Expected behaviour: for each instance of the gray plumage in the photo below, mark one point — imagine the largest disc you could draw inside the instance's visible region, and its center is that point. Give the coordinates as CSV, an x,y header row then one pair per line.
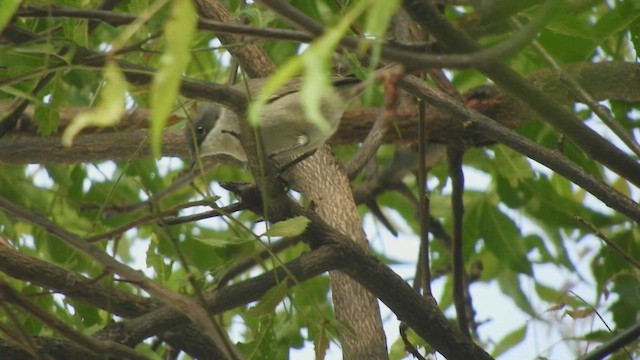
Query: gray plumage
x,y
285,131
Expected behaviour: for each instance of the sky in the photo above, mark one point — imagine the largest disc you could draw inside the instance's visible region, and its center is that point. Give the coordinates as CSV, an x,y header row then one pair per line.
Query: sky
x,y
499,315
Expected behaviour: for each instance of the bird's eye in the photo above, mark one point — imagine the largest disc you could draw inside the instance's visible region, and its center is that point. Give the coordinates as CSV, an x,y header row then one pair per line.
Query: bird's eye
x,y
200,130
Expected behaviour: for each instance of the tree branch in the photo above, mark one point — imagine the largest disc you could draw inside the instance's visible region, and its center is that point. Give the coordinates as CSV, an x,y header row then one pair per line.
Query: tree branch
x,y
548,158
415,60
7,293
182,303
117,18
588,140
42,273
607,80
454,156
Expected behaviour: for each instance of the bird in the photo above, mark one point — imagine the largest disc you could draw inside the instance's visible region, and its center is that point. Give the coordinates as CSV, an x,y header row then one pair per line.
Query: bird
x,y
286,132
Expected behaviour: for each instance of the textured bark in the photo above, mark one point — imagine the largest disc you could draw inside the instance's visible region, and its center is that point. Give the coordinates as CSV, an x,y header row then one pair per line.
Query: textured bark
x,y
322,179
250,56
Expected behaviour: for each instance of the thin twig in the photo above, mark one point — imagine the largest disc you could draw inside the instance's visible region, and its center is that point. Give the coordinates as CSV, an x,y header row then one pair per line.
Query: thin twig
x,y
224,211
94,345
612,345
551,159
407,344
595,311
579,91
180,302
592,143
419,60
20,336
168,219
221,340
118,18
616,248
454,156
252,260
375,137
423,206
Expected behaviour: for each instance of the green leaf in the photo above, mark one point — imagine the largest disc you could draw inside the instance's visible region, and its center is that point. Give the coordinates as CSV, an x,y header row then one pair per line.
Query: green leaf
x,y
597,335
271,299
510,340
536,242
156,261
321,344
48,119
315,83
7,9
634,35
179,32
87,314
110,107
509,283
290,227
616,21
580,313
315,61
512,166
513,197
503,238
221,242
550,295
379,16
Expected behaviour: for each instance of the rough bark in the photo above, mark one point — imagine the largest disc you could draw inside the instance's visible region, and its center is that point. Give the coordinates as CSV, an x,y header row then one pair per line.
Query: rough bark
x,y
324,182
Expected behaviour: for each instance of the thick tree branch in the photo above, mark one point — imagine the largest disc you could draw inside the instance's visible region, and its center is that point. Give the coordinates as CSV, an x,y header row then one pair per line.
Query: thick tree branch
x,y
580,93
89,291
182,303
617,342
51,348
229,297
606,80
252,59
334,251
104,347
48,276
429,322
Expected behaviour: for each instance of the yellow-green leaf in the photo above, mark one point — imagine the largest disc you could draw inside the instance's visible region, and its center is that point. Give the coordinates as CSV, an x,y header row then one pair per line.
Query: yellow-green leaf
x,y
321,344
315,61
221,242
290,227
7,9
579,313
271,299
512,166
179,32
510,340
110,107
379,17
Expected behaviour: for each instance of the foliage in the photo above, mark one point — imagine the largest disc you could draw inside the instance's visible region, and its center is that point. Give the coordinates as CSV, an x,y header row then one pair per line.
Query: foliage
x,y
521,221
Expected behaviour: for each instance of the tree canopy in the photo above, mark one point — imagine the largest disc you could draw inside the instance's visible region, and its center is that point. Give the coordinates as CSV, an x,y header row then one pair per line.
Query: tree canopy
x,y
499,136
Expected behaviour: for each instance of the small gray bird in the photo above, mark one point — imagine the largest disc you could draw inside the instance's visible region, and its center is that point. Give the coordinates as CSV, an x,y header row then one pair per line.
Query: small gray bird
x,y
286,132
